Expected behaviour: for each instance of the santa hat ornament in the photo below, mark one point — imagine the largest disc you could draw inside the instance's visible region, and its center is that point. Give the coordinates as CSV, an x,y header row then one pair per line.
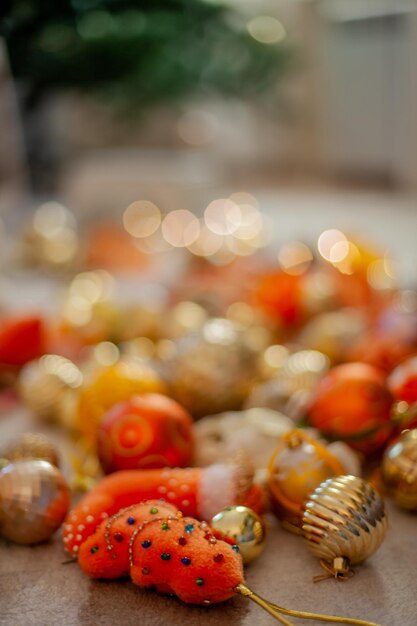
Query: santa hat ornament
x,y
193,490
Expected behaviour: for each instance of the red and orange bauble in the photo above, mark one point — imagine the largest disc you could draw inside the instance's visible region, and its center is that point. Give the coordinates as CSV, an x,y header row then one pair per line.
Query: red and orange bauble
x,y
402,383
380,349
352,403
280,296
22,339
147,431
105,386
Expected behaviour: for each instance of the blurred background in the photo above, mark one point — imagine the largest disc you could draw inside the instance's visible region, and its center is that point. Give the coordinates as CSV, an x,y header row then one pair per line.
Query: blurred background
x,y
307,105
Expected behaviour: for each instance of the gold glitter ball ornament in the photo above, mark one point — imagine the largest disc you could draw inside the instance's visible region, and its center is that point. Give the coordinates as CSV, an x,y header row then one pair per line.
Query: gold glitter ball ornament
x,y
399,470
34,500
212,369
43,384
244,527
32,446
344,522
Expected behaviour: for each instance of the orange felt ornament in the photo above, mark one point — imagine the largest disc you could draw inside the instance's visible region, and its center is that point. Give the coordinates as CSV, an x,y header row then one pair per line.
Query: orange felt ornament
x,y
163,549
194,490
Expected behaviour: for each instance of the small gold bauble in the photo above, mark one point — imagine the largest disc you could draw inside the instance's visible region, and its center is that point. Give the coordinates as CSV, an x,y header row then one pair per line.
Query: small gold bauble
x,y
245,527
344,522
32,446
43,384
34,500
399,470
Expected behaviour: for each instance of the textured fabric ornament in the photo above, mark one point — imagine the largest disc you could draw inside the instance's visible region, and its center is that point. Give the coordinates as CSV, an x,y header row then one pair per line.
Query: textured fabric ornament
x,y
195,490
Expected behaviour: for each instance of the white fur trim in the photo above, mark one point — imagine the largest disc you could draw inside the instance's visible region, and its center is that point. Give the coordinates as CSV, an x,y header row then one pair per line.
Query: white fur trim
x,y
217,490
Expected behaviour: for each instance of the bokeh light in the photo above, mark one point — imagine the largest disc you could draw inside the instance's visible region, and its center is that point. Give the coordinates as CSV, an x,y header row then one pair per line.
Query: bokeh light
x,y
180,228
223,216
266,29
295,257
207,243
142,218
50,218
327,240
106,353
197,127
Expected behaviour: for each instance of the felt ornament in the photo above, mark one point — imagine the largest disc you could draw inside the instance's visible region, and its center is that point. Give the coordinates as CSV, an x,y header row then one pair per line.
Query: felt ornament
x,y
194,490
161,548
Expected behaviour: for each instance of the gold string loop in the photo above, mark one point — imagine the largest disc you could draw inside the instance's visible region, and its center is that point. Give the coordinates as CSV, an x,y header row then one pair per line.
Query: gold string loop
x,y
276,611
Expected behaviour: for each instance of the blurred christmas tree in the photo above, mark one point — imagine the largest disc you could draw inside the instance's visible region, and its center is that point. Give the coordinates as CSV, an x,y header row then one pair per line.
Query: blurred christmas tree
x,y
136,53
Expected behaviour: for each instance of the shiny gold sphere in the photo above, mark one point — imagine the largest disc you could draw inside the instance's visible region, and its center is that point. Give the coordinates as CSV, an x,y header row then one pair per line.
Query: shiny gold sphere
x,y
32,446
34,500
344,522
43,384
245,527
399,470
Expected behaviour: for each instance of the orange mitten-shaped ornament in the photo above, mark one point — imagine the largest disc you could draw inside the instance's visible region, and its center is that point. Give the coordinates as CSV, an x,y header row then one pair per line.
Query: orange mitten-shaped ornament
x,y
195,490
161,548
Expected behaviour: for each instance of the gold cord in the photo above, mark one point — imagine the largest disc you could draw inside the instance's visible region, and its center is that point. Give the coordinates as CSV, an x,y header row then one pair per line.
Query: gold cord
x,y
275,610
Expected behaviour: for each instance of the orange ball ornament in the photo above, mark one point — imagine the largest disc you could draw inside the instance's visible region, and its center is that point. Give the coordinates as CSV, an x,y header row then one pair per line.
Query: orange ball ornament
x,y
22,339
147,431
106,386
403,381
353,404
383,350
280,297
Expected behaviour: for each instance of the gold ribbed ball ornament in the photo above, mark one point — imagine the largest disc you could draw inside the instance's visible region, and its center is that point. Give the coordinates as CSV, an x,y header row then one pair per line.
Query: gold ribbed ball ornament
x,y
344,522
399,470
34,500
32,446
244,527
44,383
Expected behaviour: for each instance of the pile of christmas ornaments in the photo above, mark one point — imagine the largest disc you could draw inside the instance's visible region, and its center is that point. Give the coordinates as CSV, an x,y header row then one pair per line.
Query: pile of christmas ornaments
x,y
284,389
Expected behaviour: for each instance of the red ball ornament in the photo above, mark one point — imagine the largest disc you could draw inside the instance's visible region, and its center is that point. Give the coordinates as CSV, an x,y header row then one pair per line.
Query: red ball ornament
x,y
22,339
353,404
147,431
383,350
403,381
280,297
